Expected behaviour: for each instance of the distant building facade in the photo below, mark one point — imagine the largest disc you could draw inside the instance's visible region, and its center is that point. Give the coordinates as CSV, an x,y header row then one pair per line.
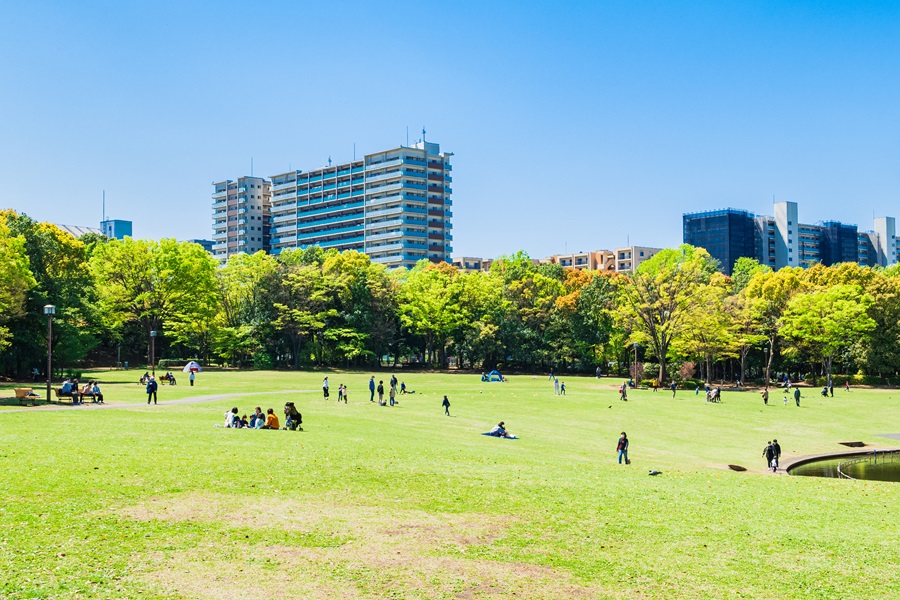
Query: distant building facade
x,y
241,216
394,205
782,240
78,231
115,228
206,244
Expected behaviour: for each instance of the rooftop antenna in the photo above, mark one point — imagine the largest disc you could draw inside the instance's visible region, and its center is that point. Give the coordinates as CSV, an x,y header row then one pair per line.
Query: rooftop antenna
x,y
329,161
423,135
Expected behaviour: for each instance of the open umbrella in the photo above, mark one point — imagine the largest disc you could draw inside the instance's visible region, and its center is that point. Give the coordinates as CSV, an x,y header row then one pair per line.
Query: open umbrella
x,y
192,367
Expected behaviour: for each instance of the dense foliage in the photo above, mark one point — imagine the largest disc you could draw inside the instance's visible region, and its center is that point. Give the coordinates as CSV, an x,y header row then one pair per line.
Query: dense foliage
x,y
677,315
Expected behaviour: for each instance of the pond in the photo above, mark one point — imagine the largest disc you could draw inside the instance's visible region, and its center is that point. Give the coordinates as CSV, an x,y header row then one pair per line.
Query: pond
x,y
868,466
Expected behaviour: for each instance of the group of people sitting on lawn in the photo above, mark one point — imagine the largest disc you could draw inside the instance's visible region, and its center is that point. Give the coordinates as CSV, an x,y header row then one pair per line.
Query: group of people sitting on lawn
x,y
70,387
258,420
146,377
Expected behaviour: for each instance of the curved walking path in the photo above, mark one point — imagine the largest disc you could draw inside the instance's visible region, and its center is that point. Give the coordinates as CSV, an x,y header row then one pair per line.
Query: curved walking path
x,y
192,400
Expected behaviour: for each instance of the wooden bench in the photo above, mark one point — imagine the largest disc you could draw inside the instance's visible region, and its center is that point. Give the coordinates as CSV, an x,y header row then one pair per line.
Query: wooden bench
x,y
23,395
67,398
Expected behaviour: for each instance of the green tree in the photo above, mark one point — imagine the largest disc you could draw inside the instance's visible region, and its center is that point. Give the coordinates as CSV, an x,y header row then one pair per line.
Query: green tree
x,y
15,277
767,296
154,284
654,302
824,321
744,270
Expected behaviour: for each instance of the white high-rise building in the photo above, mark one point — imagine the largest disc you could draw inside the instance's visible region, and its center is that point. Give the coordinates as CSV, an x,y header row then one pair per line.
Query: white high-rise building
x,y
241,216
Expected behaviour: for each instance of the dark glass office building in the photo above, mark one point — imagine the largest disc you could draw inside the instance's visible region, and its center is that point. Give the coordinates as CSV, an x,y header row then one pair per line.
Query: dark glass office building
x,y
726,234
839,243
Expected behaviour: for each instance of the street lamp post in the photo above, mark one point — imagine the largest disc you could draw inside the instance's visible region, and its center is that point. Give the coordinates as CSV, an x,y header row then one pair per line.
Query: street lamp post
x,y
634,367
153,353
49,310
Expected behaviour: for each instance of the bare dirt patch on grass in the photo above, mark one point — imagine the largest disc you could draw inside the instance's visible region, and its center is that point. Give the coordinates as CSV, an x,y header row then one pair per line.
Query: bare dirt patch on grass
x,y
378,553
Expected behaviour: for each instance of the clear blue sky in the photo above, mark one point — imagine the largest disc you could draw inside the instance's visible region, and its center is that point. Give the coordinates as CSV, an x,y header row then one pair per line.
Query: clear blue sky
x,y
574,124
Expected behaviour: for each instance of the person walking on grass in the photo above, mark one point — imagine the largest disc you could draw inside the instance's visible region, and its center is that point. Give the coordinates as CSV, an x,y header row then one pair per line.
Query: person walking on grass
x,y
623,392
831,388
797,396
151,389
392,394
769,454
555,386
325,388
674,386
446,405
191,378
622,449
372,389
340,393
562,388
776,449
765,396
847,386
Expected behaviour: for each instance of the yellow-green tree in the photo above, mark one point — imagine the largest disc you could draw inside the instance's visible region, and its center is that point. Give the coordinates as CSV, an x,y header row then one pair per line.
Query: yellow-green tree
x,y
825,320
655,301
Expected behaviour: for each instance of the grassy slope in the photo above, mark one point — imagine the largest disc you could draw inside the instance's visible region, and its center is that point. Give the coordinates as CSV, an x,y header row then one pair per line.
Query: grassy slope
x,y
405,502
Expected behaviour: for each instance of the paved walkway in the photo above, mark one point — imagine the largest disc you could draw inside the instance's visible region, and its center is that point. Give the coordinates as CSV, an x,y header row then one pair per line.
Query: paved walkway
x,y
192,400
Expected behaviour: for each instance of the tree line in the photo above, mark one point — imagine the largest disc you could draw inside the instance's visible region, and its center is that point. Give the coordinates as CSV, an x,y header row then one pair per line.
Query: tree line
x,y
676,317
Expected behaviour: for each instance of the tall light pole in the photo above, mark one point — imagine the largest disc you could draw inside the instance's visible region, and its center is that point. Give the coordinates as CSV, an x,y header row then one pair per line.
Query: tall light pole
x,y
634,367
49,310
153,353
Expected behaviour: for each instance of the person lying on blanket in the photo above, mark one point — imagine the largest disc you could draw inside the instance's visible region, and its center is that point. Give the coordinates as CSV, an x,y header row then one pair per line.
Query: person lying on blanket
x,y
500,431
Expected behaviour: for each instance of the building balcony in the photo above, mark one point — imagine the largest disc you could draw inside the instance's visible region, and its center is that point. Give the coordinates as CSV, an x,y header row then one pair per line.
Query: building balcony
x,y
386,260
384,212
384,236
284,186
435,177
383,248
382,189
284,218
394,174
310,236
383,224
221,204
383,164
219,194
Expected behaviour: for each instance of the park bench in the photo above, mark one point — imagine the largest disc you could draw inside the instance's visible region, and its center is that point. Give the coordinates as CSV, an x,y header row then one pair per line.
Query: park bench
x,y
23,395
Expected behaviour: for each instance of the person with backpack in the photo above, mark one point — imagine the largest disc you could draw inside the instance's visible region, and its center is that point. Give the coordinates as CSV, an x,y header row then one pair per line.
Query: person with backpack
x,y
622,449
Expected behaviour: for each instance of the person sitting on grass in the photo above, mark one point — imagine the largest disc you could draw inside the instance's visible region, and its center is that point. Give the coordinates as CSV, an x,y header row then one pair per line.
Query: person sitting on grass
x,y
230,416
293,419
257,419
271,420
500,431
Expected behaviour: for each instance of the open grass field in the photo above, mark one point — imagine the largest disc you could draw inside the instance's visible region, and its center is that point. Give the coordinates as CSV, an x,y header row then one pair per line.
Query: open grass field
x,y
137,501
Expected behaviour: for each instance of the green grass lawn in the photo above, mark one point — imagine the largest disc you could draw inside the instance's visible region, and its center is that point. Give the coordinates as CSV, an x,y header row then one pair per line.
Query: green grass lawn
x,y
376,502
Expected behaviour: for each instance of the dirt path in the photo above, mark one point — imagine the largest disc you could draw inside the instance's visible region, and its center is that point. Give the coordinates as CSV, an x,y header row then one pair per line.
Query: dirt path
x,y
193,400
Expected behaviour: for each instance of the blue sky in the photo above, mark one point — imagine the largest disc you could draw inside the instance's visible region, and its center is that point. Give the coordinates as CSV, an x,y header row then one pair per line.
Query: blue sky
x,y
575,125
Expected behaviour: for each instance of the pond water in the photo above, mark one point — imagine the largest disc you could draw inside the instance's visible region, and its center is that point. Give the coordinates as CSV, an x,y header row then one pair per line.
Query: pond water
x,y
873,468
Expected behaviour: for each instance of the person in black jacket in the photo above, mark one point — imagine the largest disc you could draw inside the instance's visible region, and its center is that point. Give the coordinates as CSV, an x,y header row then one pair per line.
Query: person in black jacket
x,y
776,448
151,389
381,393
769,453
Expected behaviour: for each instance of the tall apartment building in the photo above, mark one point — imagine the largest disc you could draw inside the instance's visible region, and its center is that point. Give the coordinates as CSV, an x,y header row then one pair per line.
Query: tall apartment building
x,y
783,241
241,216
394,205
